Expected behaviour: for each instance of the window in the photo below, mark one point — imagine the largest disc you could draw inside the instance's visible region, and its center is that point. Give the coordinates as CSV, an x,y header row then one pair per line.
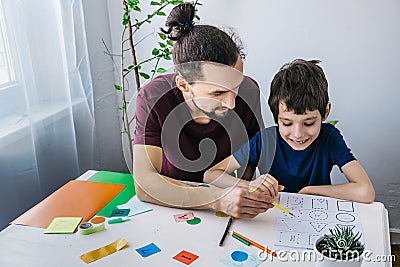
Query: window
x,y
46,105
6,68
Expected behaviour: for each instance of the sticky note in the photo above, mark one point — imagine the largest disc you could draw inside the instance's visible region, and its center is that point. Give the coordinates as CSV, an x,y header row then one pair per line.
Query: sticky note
x,y
184,217
148,250
63,225
185,257
120,212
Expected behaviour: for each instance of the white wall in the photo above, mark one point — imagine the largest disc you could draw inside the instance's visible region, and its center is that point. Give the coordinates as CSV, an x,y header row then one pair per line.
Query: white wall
x,y
358,43
108,147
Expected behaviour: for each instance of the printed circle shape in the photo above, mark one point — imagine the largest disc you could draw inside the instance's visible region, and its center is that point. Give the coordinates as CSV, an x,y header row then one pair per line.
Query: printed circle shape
x,y
345,217
194,221
239,256
97,220
318,215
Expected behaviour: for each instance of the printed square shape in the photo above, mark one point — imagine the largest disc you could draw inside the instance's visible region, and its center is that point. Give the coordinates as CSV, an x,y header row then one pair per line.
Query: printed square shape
x,y
185,257
120,212
148,250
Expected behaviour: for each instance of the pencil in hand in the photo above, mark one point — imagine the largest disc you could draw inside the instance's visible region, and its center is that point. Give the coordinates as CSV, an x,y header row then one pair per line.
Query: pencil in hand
x,y
285,210
282,208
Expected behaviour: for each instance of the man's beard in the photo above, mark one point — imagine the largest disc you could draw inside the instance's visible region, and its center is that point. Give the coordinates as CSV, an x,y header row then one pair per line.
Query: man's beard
x,y
212,114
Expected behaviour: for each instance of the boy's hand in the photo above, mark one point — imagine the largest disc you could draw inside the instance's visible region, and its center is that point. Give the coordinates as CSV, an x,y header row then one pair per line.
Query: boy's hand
x,y
267,184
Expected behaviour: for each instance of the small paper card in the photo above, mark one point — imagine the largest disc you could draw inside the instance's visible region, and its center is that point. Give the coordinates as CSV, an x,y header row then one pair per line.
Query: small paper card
x,y
184,217
185,257
135,206
63,225
148,250
120,212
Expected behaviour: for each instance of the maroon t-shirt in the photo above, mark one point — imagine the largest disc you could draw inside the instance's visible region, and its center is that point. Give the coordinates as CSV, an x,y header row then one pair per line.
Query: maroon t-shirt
x,y
163,119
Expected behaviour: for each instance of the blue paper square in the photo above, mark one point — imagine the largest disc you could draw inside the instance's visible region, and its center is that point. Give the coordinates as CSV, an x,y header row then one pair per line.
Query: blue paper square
x,y
148,250
120,212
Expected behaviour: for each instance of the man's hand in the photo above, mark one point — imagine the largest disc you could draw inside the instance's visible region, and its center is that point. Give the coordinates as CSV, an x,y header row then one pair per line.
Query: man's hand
x,y
240,202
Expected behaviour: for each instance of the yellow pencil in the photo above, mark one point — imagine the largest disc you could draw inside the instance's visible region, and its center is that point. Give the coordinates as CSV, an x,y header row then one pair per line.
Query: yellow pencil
x,y
285,210
282,208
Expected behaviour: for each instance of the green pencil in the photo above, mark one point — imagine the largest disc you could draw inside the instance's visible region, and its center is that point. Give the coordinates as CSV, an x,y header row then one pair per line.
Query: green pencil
x,y
241,240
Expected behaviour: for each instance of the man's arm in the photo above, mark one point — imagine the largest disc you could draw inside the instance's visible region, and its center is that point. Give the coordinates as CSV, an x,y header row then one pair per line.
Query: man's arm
x,y
219,175
153,187
358,189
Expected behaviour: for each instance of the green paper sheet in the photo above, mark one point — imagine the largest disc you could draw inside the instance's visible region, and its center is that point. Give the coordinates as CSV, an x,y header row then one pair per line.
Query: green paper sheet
x,y
115,178
63,225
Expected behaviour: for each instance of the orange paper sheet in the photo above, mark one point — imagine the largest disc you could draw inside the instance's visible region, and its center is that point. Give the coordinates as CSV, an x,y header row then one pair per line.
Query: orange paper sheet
x,y
74,199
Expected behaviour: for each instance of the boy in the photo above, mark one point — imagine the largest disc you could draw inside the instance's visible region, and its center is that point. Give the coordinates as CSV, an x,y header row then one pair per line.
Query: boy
x,y
300,152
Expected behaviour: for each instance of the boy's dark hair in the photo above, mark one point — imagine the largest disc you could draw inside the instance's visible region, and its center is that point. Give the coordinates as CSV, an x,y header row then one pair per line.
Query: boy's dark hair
x,y
301,85
198,42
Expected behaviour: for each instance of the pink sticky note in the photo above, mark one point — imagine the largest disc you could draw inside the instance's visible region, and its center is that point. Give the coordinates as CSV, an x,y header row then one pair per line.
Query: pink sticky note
x,y
184,217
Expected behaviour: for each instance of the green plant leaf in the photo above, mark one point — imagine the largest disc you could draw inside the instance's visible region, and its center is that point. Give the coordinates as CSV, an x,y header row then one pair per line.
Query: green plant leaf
x,y
154,3
155,52
136,8
167,57
132,2
144,75
160,13
176,2
118,87
162,45
162,36
161,70
125,18
170,43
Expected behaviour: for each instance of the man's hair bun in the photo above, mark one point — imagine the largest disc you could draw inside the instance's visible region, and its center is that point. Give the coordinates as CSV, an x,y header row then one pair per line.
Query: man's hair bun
x,y
179,21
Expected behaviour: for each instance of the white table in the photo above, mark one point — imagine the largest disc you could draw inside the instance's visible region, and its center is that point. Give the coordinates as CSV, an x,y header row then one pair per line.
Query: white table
x,y
27,246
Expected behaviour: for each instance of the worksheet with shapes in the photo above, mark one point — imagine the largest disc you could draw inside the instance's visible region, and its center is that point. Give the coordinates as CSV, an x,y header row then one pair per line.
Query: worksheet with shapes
x,y
314,216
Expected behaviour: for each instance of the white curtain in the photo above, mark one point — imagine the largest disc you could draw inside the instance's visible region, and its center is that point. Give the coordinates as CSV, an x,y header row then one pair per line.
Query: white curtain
x,y
46,111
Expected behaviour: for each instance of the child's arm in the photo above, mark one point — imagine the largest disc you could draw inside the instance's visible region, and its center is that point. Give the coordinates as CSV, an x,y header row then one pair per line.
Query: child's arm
x,y
358,189
218,175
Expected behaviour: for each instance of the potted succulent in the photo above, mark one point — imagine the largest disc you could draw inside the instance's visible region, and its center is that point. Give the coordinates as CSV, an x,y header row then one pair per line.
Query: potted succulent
x,y
339,248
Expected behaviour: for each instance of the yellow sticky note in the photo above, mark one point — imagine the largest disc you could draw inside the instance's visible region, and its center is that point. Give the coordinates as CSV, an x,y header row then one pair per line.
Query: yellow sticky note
x,y
99,253
63,225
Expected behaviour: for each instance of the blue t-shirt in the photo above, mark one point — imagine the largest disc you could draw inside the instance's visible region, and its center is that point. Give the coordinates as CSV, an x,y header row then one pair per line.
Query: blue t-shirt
x,y
296,169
